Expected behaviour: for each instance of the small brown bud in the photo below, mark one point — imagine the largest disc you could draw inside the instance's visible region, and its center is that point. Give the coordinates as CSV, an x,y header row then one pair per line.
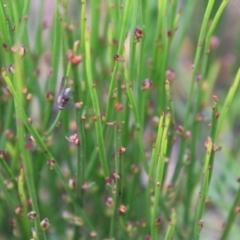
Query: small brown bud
x,y
45,224
73,139
51,163
169,33
118,106
19,209
109,180
170,74
9,184
72,183
32,215
158,220
49,96
201,223
109,201
214,42
122,209
119,58
11,68
146,84
138,34
122,150
22,50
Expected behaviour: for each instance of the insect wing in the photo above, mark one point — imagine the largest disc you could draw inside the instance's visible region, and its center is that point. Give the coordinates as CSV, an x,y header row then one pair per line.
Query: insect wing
x,y
61,99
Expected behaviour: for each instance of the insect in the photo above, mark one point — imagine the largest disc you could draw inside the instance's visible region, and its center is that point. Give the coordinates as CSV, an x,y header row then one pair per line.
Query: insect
x,y
64,95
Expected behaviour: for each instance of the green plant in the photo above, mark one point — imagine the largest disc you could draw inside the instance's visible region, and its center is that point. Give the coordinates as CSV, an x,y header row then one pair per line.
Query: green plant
x,y
122,156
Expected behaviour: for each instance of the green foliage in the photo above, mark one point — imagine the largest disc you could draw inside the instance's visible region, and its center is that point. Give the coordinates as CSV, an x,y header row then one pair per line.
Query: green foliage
x,y
115,122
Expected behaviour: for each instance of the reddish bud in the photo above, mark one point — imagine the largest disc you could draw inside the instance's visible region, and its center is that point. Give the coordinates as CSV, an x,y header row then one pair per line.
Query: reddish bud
x,y
146,84
73,139
158,220
9,184
118,106
122,209
169,33
32,215
122,150
19,209
72,183
214,42
198,77
215,98
45,224
138,34
109,180
170,74
49,96
109,201
119,58
51,163
11,68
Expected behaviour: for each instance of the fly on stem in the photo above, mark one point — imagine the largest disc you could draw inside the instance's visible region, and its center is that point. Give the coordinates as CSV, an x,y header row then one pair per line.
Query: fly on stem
x,y
64,95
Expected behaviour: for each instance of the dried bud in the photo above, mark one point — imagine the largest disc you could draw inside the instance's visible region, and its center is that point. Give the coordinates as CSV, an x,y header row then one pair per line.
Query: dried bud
x,y
147,237
9,184
146,84
217,114
109,180
198,77
170,74
32,215
49,96
122,209
51,163
122,150
119,58
187,134
72,183
134,169
34,234
116,176
67,215
118,106
9,134
5,46
45,224
169,33
214,42
74,59
78,104
138,34
142,222
22,50
207,142
31,138
199,117
179,129
19,209
11,68
2,154
201,223
30,120
77,221
93,234
158,220
73,139
215,98
109,201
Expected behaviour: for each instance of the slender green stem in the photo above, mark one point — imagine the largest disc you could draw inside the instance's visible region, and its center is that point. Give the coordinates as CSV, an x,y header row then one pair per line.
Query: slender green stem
x,y
192,83
159,176
204,191
95,104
